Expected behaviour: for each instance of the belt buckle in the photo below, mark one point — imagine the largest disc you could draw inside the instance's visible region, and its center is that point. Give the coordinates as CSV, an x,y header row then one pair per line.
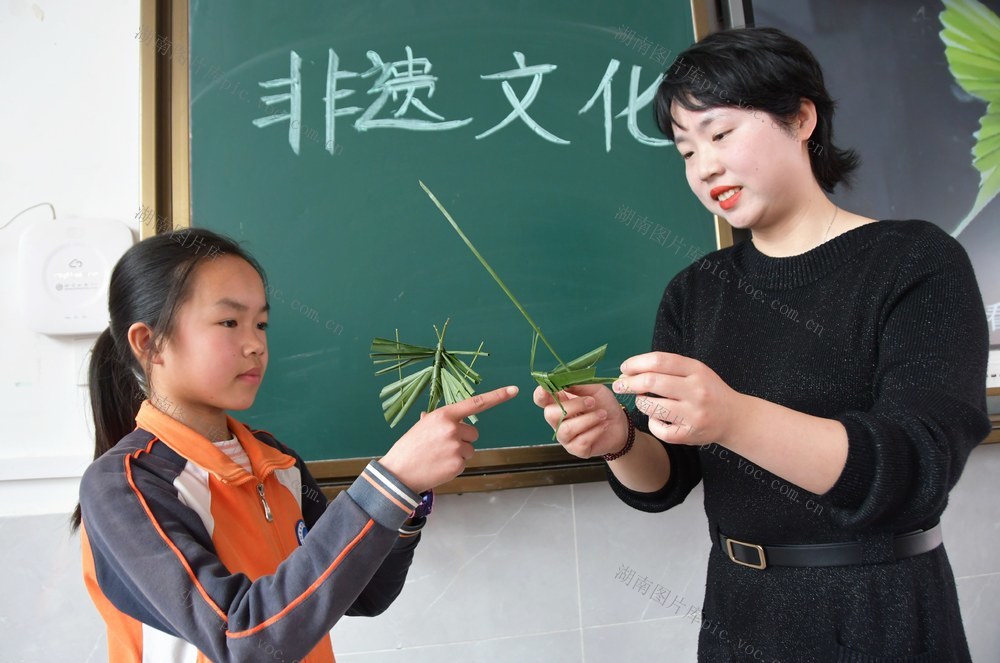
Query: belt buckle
x,y
760,554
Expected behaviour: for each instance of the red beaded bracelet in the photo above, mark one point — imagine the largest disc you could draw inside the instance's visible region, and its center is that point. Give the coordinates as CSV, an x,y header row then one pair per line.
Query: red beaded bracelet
x,y
629,439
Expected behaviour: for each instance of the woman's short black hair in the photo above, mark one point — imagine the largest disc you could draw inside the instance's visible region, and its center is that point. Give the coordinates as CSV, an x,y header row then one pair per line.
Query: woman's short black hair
x,y
757,69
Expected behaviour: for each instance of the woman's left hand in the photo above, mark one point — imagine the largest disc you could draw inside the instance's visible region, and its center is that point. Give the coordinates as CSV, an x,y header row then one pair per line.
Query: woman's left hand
x,y
687,402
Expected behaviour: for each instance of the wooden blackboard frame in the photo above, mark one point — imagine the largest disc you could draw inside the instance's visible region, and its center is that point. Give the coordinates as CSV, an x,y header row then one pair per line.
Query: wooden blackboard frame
x,y
165,196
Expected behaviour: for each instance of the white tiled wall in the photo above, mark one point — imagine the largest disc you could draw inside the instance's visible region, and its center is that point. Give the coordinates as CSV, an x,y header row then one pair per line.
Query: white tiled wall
x,y
523,575
530,575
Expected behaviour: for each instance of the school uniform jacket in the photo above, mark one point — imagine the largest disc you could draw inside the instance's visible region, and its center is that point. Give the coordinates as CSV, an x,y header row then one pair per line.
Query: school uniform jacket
x,y
189,557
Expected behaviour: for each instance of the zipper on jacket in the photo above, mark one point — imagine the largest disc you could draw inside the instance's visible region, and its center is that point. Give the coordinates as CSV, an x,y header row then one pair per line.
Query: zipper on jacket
x,y
267,509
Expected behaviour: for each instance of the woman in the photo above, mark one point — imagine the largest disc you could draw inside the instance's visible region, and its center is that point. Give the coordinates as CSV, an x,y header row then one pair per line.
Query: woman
x,y
824,379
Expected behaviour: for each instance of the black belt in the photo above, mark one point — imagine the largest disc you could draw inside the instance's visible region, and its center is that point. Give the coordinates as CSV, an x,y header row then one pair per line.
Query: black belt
x,y
824,554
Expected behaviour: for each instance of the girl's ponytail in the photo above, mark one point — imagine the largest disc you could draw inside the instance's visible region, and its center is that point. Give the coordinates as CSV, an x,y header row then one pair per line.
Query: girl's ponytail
x,y
115,397
148,285
115,394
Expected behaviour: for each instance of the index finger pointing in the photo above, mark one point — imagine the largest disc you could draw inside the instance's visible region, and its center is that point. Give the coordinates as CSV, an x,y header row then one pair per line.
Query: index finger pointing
x,y
480,402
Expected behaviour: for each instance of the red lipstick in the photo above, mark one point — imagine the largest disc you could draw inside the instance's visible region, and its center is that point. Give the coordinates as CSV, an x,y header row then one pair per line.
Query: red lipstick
x,y
730,201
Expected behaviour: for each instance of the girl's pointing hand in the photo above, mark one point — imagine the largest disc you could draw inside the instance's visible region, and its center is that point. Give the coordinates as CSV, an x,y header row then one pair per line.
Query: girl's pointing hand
x,y
436,448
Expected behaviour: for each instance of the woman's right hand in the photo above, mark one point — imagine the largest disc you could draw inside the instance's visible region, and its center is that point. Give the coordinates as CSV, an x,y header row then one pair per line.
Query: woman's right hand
x,y
436,448
595,423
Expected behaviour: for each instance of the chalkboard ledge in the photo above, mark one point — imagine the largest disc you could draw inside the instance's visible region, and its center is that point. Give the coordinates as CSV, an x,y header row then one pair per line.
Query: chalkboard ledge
x,y
489,469
510,467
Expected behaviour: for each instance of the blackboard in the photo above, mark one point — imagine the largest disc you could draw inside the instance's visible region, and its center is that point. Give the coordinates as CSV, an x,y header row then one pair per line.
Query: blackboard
x,y
585,226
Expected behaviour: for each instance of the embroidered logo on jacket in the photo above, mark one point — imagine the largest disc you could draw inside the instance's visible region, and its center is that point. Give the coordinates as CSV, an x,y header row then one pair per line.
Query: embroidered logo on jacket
x,y
301,530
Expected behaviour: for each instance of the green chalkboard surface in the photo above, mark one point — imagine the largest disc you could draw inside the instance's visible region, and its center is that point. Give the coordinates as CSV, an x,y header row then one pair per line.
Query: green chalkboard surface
x,y
311,122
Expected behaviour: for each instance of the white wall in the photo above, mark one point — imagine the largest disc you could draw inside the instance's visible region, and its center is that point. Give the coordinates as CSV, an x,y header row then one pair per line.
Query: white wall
x,y
523,575
69,135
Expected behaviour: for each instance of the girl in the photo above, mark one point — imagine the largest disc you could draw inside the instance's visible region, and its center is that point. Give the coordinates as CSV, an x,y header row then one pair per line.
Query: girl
x,y
203,540
824,379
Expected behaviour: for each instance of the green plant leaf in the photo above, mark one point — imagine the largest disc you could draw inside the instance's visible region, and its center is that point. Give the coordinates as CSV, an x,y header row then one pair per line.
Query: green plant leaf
x,y
971,35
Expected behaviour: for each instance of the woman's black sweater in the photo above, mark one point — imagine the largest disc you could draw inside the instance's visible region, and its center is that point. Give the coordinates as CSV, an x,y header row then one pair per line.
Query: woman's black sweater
x,y
881,328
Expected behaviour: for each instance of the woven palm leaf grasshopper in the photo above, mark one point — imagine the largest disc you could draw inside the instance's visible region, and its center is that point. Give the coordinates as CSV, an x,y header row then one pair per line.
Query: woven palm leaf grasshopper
x,y
580,371
448,376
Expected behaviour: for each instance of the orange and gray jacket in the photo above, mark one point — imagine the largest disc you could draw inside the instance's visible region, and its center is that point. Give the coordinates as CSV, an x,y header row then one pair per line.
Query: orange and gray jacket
x,y
189,557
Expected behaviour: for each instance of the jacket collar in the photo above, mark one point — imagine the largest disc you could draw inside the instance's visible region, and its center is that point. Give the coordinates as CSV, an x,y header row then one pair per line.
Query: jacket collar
x,y
197,448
